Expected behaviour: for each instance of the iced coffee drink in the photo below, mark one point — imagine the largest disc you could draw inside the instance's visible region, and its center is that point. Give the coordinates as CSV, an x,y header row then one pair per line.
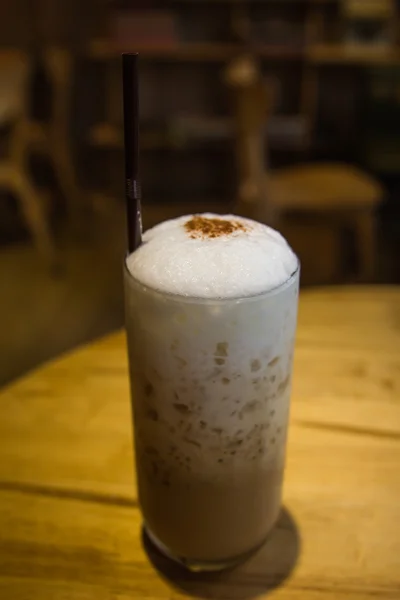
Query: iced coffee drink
x,y
211,306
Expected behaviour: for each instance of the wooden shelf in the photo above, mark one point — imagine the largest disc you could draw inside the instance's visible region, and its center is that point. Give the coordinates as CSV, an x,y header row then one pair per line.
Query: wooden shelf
x,y
202,133
279,52
108,136
103,49
286,135
213,52
318,53
379,9
265,2
352,55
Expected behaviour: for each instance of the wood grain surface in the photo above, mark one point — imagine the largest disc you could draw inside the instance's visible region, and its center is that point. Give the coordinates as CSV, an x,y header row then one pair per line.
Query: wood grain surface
x,y
70,527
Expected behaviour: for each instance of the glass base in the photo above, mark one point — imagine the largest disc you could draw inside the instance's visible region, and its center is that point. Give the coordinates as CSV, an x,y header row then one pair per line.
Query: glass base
x,y
197,566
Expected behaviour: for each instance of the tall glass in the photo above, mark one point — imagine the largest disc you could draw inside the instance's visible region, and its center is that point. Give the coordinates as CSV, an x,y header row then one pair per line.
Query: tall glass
x,y
210,384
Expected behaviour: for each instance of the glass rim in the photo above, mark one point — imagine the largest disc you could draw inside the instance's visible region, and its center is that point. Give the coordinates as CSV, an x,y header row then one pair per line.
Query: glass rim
x,y
211,301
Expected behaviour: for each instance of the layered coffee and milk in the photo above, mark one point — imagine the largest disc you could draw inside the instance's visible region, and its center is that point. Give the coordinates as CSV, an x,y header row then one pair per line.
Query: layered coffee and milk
x,y
211,305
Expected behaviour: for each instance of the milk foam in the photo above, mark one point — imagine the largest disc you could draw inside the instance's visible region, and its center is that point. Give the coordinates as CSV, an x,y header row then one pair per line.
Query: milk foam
x,y
246,262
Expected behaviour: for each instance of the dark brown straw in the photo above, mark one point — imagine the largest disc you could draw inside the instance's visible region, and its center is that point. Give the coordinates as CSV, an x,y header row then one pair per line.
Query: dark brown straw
x,y
130,91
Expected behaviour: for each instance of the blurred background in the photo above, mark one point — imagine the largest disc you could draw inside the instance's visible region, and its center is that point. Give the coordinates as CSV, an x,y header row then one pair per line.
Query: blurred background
x,y
287,111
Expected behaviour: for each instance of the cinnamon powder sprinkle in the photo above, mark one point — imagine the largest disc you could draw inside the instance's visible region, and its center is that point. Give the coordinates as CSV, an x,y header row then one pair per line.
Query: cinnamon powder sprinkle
x,y
204,227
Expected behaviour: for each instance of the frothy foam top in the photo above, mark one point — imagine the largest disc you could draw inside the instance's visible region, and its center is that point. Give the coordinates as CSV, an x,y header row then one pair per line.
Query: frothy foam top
x,y
212,256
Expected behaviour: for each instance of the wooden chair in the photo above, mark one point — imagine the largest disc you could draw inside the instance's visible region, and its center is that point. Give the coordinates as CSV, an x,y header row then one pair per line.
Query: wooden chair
x,y
14,172
343,194
52,138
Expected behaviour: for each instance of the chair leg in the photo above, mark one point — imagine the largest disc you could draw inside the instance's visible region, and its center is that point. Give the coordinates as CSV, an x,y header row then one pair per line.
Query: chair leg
x,y
34,214
67,181
366,245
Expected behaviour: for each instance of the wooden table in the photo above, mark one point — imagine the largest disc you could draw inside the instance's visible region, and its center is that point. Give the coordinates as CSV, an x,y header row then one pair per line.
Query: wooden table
x,y
69,521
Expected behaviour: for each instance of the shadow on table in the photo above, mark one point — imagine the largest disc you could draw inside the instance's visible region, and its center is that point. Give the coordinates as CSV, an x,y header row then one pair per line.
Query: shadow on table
x,y
262,572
